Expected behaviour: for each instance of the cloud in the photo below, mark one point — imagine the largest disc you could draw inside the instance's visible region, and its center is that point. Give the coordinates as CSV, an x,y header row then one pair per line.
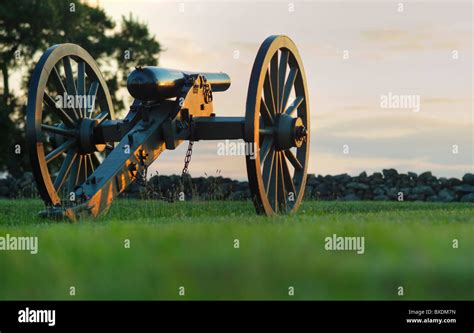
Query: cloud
x,y
384,35
181,52
398,138
420,39
444,100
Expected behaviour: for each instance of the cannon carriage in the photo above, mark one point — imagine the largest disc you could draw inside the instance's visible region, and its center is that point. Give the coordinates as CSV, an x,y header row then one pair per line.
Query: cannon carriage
x,y
82,157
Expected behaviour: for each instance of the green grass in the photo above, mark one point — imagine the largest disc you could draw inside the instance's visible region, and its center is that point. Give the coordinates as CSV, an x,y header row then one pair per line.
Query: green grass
x,y
192,245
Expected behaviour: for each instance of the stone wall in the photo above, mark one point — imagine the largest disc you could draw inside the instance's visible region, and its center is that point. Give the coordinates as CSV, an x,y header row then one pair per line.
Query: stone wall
x,y
391,185
385,185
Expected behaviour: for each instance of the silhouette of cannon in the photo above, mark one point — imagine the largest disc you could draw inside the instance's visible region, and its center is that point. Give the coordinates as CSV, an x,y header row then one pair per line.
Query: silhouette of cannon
x,y
82,157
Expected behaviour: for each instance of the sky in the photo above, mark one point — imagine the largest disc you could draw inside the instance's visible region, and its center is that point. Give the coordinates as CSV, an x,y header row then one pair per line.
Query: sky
x,y
355,54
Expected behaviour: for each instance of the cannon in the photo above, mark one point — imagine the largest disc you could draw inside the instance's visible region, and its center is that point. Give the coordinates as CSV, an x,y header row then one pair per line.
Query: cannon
x,y
82,157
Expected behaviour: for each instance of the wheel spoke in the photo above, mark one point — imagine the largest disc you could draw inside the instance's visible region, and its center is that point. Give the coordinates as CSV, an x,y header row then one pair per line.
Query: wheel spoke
x,y
293,160
70,84
273,190
59,150
269,176
294,106
289,185
91,164
58,81
91,98
267,170
281,183
81,85
97,158
65,168
267,147
74,174
85,164
281,78
101,117
58,130
288,86
266,115
63,115
268,92
274,80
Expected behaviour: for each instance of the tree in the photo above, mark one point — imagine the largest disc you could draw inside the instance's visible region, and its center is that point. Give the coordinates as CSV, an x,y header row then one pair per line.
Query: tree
x,y
27,28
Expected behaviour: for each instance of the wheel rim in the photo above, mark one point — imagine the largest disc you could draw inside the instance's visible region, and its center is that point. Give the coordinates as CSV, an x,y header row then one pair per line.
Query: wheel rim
x,y
277,123
57,135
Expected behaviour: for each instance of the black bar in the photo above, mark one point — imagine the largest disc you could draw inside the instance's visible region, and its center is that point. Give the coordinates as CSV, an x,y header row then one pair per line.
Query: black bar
x,y
218,128
383,315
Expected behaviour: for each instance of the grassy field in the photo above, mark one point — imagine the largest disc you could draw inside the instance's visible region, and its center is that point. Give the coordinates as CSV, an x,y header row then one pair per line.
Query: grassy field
x,y
192,245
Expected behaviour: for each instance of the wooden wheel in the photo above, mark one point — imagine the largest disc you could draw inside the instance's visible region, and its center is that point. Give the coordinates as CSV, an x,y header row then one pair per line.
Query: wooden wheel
x,y
67,98
277,124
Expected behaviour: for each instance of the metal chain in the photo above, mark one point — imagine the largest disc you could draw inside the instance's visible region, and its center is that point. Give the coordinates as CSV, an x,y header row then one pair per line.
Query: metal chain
x,y
187,159
141,180
141,175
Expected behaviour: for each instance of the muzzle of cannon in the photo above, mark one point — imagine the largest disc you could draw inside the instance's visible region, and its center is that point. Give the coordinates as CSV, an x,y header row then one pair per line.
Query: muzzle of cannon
x,y
82,157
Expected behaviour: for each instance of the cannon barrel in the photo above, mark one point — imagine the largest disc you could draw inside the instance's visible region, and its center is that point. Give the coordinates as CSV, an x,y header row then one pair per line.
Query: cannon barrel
x,y
155,83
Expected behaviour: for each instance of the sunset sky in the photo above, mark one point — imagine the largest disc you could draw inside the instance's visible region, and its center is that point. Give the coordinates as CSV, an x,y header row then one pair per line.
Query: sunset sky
x,y
412,52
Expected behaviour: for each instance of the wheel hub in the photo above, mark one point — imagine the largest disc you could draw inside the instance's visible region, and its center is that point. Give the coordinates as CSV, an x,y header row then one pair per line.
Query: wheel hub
x,y
85,137
290,132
